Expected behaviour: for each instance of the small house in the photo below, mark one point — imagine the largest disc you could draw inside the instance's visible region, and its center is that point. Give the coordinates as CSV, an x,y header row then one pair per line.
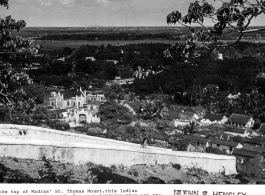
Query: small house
x,y
210,118
239,120
200,143
222,144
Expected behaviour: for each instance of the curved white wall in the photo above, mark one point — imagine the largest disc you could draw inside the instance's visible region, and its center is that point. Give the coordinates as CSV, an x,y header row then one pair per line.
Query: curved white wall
x,y
38,133
79,149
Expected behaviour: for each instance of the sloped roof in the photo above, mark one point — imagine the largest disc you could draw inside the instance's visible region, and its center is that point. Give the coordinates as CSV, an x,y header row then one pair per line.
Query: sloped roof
x,y
245,153
255,149
195,109
172,114
213,117
188,114
198,108
235,130
239,118
253,141
224,142
197,139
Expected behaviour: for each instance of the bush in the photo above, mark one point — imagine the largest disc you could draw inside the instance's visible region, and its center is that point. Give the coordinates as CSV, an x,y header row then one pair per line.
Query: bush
x,y
215,151
61,126
81,129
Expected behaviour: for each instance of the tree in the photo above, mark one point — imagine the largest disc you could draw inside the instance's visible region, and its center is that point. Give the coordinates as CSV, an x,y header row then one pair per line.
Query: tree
x,y
191,128
36,92
114,92
112,110
14,51
232,18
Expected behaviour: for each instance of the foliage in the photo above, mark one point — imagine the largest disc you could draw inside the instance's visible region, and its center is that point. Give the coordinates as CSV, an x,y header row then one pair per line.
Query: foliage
x,y
13,56
250,168
190,128
112,110
48,171
4,116
153,109
41,113
238,139
214,150
179,143
114,92
35,91
233,17
62,126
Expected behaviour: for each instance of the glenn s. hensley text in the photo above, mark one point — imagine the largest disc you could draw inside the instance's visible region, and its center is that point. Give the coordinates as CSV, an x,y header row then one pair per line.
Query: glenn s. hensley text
x,y
229,193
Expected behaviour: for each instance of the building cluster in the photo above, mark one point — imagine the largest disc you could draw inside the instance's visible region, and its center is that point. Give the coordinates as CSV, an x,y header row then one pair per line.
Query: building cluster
x,y
81,109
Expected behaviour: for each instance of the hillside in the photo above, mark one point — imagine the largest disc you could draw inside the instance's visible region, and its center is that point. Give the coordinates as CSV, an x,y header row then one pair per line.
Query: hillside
x,y
13,170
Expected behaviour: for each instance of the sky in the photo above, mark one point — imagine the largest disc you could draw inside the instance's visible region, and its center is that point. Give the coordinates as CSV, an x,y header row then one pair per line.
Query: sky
x,y
85,13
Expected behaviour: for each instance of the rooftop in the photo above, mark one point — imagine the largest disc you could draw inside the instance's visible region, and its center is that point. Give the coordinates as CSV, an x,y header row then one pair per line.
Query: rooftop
x,y
198,108
196,139
235,130
255,149
224,142
245,153
213,117
239,118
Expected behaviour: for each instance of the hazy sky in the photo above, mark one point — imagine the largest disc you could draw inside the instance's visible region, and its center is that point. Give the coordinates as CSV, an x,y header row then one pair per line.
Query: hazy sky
x,y
96,12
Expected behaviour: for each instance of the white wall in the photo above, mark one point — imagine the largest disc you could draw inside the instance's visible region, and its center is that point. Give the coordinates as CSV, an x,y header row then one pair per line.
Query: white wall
x,y
79,149
78,153
9,131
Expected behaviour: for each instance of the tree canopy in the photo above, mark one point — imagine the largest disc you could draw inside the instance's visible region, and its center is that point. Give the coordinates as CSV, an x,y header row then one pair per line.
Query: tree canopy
x,y
231,17
14,52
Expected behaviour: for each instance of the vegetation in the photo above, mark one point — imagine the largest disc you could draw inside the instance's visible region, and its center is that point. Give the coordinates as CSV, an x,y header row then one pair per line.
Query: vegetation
x,y
114,92
112,110
14,54
232,17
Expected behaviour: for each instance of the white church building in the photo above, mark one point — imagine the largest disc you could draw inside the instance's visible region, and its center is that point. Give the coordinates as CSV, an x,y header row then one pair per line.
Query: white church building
x,y
79,109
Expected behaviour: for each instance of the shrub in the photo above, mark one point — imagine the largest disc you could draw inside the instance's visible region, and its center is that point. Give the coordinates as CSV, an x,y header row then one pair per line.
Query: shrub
x,y
61,126
215,150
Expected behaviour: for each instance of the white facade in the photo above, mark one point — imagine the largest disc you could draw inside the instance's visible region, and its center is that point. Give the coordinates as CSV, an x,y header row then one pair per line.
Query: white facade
x,y
57,99
209,122
76,116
